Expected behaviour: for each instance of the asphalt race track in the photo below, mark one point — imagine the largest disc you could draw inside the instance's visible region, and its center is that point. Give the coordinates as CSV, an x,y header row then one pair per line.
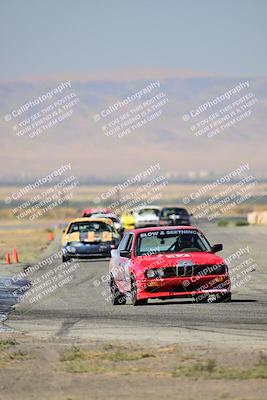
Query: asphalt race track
x,y
80,310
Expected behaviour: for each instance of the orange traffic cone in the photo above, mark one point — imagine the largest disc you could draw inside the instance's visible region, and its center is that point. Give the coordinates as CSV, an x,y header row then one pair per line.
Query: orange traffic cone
x,y
50,236
15,256
7,258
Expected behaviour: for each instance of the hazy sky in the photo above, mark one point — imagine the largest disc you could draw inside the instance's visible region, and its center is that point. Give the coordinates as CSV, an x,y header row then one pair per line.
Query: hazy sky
x,y
40,37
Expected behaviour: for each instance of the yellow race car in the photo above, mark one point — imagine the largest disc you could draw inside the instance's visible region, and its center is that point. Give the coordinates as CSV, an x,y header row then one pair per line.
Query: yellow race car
x,y
128,220
89,238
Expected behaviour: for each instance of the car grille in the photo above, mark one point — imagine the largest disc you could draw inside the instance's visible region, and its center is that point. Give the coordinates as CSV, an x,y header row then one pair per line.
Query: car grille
x,y
190,270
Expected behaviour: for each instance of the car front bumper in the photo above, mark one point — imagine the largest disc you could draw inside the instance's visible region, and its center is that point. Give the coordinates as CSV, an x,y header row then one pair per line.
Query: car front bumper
x,y
183,287
175,222
89,251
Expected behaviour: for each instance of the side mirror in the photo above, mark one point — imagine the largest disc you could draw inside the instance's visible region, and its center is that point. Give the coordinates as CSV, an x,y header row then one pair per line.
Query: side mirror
x,y
114,253
191,215
125,253
64,230
216,247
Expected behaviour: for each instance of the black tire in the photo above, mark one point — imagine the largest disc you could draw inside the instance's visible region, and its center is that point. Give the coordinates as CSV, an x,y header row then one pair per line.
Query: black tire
x,y
135,301
117,298
65,259
202,298
225,298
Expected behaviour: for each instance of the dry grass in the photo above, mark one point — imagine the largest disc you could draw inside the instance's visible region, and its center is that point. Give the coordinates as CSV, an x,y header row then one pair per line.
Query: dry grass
x,y
7,343
109,369
106,360
28,242
208,369
118,360
9,355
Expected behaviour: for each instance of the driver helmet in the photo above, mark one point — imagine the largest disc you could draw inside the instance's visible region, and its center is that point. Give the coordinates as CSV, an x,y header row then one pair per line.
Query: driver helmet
x,y
185,241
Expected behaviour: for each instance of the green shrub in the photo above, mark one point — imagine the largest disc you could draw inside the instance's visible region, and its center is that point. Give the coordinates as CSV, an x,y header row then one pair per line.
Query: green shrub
x,y
241,223
223,222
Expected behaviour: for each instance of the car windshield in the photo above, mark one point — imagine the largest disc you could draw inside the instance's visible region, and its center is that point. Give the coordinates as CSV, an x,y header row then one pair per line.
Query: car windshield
x,y
166,212
149,211
171,241
92,226
114,219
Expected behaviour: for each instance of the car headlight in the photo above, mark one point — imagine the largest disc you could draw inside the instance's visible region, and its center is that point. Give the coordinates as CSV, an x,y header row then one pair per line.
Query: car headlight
x,y
219,269
216,269
155,273
150,273
75,244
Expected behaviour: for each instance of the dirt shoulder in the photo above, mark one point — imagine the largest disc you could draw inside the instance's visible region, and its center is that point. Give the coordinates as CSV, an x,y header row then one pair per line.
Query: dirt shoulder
x,y
61,368
29,242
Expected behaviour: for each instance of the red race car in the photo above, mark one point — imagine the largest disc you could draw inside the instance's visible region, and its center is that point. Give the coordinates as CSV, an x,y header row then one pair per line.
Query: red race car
x,y
88,212
165,263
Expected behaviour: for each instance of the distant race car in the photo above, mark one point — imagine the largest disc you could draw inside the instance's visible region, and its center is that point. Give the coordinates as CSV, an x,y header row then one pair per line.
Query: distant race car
x,y
147,216
89,237
114,218
174,216
166,263
128,220
88,212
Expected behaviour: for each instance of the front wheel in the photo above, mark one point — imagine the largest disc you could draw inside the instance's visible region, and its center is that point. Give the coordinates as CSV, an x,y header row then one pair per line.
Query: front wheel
x,y
117,298
202,298
224,298
135,301
65,259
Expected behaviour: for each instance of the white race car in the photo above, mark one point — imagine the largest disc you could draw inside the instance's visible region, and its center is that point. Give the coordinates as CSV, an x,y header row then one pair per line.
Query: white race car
x,y
147,216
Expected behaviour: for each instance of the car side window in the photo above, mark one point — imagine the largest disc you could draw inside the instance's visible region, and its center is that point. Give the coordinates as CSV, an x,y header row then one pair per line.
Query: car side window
x,y
129,243
70,229
124,242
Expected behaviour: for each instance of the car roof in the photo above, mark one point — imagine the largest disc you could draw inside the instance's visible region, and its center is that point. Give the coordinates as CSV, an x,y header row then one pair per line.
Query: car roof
x,y
98,210
151,207
88,219
164,228
179,207
102,215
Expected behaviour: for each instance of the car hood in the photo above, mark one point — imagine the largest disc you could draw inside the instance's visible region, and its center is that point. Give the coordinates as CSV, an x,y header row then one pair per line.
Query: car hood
x,y
171,259
88,237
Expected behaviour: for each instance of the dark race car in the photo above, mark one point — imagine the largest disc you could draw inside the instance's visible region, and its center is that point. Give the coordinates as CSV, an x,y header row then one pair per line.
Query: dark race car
x,y
174,216
165,263
89,238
